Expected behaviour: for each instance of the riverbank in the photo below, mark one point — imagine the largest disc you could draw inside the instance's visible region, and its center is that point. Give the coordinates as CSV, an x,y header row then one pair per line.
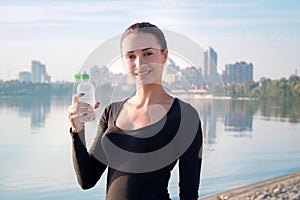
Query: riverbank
x,y
283,187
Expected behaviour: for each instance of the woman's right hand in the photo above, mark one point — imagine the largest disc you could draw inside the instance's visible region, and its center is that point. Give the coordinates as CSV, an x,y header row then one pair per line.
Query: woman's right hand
x,y
78,111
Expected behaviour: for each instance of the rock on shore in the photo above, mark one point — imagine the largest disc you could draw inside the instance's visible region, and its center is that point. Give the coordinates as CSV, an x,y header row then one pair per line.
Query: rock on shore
x,y
285,187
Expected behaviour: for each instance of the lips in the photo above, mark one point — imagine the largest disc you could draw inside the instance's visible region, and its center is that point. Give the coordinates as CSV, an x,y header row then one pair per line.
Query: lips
x,y
142,73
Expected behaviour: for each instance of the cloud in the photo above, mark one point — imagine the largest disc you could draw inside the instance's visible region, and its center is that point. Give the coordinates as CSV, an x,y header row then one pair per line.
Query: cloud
x,y
103,11
279,12
70,12
167,13
245,22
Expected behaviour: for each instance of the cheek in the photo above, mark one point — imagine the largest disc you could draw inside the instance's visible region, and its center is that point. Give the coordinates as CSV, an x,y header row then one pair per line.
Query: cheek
x,y
129,69
157,68
154,60
127,65
162,59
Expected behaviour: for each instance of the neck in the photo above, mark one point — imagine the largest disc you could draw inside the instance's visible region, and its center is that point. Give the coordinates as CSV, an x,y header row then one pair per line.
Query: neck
x,y
148,94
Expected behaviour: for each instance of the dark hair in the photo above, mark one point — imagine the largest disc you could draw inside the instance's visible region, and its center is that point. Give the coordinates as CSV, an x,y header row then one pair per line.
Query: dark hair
x,y
146,27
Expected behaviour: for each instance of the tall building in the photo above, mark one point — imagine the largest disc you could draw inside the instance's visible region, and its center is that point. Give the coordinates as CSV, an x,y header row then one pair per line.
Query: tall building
x,y
36,71
24,76
239,72
39,73
210,63
193,76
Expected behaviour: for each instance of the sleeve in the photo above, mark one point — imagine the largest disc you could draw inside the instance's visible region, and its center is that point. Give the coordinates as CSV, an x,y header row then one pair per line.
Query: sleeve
x,y
190,161
88,165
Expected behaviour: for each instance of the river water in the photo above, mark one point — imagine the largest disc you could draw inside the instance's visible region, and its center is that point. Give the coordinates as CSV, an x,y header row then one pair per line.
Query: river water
x,y
245,142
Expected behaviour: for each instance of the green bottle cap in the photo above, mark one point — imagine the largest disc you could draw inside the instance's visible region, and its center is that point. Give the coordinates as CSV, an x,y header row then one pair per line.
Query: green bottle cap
x,y
77,76
85,76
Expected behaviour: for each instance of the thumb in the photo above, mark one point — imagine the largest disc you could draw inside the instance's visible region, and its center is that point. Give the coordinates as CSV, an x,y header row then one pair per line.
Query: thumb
x,y
97,105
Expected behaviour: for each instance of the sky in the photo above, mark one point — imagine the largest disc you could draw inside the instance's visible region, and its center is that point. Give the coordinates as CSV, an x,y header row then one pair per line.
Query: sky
x,y
63,33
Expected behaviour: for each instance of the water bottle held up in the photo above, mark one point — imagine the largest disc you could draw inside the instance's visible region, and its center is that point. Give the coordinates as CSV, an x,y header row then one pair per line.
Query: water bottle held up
x,y
87,93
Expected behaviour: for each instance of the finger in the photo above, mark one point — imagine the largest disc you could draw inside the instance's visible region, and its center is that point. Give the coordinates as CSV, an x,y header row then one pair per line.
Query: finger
x,y
97,105
78,116
83,104
70,108
82,116
85,107
80,110
72,117
74,108
93,116
76,97
89,115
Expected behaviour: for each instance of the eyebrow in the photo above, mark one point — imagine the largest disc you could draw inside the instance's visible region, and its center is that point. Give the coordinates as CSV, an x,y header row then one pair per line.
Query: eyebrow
x,y
142,50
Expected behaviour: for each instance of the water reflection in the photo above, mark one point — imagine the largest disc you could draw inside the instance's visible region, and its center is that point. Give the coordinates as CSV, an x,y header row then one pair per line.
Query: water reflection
x,y
36,108
283,109
234,115
240,115
31,155
212,113
208,119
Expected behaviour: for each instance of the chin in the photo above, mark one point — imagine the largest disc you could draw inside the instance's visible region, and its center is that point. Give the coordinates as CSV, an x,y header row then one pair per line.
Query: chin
x,y
147,82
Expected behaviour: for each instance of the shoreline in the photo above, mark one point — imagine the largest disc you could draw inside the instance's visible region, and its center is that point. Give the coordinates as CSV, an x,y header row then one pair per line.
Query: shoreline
x,y
282,187
215,97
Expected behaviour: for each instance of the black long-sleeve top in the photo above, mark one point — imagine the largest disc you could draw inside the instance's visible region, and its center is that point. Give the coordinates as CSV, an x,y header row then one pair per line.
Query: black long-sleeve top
x,y
140,161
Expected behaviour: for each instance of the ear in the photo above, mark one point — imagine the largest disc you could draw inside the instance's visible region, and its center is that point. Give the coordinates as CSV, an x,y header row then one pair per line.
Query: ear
x,y
165,55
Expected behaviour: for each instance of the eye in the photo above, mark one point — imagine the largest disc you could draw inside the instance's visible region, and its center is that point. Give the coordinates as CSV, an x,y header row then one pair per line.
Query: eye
x,y
130,57
148,53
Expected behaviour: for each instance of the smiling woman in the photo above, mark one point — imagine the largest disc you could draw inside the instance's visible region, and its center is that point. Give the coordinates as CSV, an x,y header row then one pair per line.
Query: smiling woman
x,y
141,138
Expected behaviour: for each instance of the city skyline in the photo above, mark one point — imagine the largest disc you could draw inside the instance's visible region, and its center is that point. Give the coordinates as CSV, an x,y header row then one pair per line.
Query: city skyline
x,y
62,34
173,73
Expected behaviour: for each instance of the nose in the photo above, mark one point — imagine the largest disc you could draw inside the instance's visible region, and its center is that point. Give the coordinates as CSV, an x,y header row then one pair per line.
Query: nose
x,y
139,61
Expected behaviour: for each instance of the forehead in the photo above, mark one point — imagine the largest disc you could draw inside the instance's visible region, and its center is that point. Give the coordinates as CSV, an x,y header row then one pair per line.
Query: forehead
x,y
136,41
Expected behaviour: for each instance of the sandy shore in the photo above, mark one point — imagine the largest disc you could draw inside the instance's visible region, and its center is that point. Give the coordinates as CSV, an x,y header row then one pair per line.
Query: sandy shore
x,y
283,187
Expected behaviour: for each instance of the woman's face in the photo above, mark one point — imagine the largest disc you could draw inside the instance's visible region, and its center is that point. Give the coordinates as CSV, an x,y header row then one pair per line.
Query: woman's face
x,y
143,58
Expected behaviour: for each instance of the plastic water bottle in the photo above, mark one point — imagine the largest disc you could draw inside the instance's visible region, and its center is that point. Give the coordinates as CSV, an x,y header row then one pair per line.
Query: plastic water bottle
x,y
87,91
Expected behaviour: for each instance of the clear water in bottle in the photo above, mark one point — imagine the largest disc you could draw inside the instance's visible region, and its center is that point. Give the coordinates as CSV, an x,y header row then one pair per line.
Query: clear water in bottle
x,y
87,91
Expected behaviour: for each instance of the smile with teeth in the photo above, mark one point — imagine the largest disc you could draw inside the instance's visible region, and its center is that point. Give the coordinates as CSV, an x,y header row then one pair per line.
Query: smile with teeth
x,y
142,73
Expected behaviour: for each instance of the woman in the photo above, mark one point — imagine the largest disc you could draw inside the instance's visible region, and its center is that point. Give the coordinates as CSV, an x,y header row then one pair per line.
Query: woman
x,y
141,138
